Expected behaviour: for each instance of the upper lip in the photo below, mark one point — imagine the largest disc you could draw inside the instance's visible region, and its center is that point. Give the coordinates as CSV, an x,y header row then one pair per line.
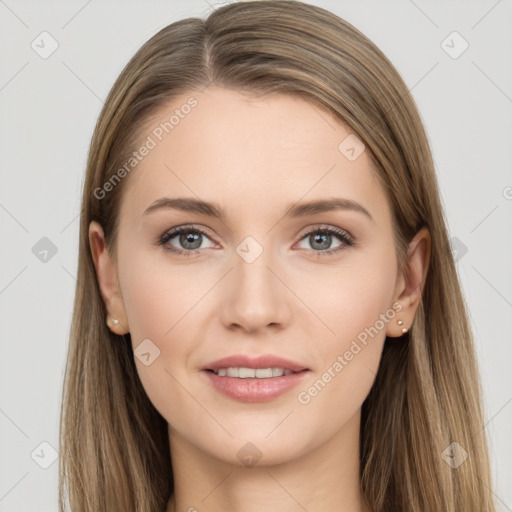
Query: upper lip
x,y
263,361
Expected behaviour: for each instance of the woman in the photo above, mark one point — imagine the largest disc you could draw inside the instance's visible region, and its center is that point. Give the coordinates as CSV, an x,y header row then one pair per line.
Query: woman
x,y
268,315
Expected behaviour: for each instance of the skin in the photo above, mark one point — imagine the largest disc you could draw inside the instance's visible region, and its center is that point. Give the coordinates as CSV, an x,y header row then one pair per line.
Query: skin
x,y
254,157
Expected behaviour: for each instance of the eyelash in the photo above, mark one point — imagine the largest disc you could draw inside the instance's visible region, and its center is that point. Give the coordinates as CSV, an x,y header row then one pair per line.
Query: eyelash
x,y
345,238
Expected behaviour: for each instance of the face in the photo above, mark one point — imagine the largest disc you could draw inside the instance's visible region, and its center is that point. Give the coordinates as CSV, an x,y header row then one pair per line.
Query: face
x,y
269,277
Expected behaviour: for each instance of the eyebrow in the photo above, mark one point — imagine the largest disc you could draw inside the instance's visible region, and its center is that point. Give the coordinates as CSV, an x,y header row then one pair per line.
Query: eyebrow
x,y
188,204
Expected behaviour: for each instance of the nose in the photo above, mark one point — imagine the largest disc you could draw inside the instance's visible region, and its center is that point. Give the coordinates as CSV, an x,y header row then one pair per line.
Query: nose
x,y
254,297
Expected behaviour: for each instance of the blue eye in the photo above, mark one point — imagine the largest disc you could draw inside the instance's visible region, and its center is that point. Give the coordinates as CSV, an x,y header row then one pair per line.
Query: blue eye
x,y
191,239
321,238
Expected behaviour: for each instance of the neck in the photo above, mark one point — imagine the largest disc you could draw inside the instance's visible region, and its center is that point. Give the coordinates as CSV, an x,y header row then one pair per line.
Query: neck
x,y
324,479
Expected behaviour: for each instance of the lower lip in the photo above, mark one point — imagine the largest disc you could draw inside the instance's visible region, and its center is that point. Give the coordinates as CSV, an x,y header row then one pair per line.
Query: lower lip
x,y
253,389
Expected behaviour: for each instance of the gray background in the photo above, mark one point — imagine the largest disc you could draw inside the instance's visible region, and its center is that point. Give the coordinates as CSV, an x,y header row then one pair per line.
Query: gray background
x,y
48,110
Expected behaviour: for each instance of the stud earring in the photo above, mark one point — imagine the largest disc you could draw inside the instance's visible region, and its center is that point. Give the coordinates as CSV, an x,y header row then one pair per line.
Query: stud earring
x,y
112,321
404,329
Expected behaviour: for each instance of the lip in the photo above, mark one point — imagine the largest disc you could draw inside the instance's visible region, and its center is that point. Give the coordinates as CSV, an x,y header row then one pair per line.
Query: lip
x,y
254,389
264,361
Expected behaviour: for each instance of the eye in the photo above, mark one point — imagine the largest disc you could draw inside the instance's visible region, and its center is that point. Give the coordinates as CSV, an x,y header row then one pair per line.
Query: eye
x,y
321,239
189,238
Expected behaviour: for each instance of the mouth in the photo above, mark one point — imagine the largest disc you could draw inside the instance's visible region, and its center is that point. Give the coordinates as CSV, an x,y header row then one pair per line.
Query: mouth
x,y
256,379
252,373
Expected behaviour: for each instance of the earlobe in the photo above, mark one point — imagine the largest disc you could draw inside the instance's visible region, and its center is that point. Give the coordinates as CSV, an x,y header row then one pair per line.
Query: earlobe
x,y
412,283
107,280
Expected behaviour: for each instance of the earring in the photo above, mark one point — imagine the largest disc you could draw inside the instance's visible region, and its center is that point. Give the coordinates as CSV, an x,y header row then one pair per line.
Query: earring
x,y
404,329
112,321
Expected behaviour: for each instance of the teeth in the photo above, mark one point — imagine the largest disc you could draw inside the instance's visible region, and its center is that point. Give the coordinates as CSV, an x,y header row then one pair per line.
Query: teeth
x,y
233,372
263,373
252,373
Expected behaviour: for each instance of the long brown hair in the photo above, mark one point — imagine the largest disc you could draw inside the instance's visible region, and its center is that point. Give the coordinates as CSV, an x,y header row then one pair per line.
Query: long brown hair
x,y
114,447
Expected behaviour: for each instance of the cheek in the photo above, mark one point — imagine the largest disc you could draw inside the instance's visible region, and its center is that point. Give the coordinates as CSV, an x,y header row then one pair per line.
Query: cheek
x,y
351,297
162,302
159,307
156,294
354,303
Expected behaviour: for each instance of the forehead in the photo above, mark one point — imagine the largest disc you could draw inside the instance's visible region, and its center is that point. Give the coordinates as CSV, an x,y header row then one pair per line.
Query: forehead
x,y
240,150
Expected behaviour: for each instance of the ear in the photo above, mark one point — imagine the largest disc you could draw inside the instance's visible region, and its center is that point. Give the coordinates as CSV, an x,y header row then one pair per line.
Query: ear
x,y
409,287
106,273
